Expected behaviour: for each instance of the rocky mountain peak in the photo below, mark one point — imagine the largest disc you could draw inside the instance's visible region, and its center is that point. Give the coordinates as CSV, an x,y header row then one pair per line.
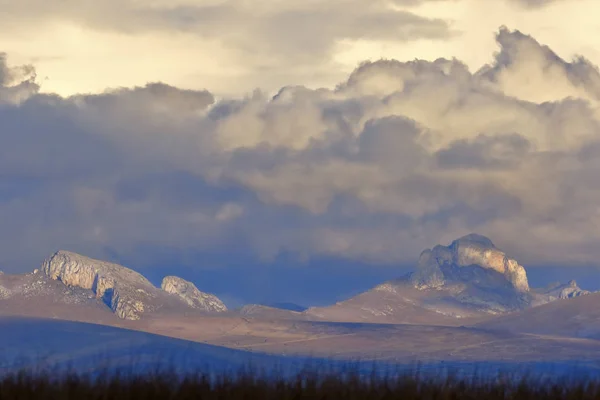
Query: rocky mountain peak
x,y
469,278
572,283
128,293
470,258
121,288
190,294
474,240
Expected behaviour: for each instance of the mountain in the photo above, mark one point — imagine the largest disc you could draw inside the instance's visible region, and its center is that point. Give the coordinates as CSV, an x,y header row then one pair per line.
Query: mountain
x,y
472,258
189,293
469,279
71,279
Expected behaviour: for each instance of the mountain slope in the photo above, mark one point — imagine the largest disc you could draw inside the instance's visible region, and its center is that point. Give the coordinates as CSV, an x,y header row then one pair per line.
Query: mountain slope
x,y
398,302
190,294
37,295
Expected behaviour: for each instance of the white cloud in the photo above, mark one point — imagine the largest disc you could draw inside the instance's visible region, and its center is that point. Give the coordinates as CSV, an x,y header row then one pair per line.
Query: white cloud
x,y
398,157
536,3
523,69
232,47
270,40
16,83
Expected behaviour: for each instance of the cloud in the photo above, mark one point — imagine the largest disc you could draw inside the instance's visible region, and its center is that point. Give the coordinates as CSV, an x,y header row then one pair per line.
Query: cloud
x,y
500,151
268,36
398,157
16,83
535,3
523,69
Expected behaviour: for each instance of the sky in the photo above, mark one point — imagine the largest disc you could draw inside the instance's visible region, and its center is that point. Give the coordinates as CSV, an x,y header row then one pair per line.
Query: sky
x,y
260,145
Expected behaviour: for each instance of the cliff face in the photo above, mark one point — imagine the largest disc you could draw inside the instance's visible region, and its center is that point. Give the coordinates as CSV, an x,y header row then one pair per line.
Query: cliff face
x,y
128,293
478,250
122,289
442,265
190,294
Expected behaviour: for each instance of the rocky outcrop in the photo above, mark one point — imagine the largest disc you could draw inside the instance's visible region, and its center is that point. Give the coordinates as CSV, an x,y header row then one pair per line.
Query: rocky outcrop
x,y
475,273
428,274
442,264
190,294
122,289
560,291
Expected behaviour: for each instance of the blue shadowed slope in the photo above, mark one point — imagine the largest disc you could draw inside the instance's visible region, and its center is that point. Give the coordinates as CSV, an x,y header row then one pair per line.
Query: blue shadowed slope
x,y
55,345
41,343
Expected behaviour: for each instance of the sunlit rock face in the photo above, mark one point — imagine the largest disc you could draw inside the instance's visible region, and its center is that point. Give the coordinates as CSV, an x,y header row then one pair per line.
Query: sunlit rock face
x,y
122,289
480,251
442,264
474,272
189,293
